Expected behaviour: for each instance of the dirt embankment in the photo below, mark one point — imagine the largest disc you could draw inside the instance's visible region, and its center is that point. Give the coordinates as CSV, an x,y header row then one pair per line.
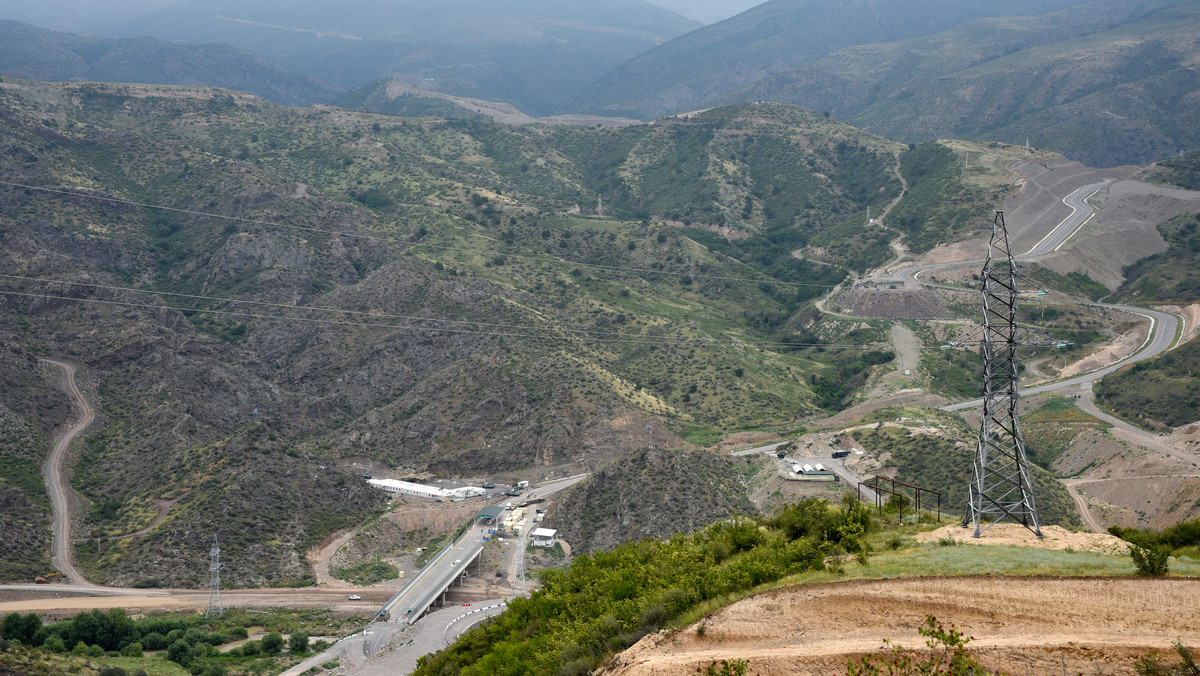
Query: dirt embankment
x,y
1019,625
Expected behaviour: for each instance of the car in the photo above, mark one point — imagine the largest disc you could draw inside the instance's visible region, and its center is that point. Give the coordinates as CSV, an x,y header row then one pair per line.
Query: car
x,y
355,597
489,485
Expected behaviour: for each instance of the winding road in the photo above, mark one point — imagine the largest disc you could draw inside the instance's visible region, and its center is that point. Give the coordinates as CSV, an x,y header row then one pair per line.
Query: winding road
x,y
54,472
1163,326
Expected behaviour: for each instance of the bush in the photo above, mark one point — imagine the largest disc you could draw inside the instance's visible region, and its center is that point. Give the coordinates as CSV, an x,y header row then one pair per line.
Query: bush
x,y
272,643
111,671
54,644
154,641
1150,561
180,652
949,655
298,642
132,650
95,651
251,648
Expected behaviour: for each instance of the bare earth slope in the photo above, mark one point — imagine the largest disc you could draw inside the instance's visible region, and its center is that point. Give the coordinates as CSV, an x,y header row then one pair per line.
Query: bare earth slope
x,y
1020,625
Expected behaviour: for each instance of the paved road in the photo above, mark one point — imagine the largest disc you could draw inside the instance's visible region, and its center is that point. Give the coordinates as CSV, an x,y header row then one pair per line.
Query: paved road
x,y
1163,326
54,472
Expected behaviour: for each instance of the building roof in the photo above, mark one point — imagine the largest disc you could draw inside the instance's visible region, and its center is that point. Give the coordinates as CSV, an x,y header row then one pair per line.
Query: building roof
x,y
490,512
544,532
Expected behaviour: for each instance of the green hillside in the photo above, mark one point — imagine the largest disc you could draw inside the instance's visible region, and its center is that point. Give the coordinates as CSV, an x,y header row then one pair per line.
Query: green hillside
x,y
651,493
1172,276
437,295
1157,393
934,463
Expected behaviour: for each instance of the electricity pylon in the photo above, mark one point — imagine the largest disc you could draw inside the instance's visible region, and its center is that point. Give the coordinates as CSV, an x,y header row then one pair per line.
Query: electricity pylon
x,y
214,584
1000,480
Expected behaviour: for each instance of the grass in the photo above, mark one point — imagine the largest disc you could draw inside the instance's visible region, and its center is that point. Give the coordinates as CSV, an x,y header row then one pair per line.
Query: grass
x,y
937,560
367,572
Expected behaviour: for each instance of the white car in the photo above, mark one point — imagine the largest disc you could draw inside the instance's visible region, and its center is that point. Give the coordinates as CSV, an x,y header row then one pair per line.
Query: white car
x,y
355,597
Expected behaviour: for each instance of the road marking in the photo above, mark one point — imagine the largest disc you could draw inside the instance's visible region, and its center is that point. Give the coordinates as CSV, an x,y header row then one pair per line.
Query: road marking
x,y
1085,221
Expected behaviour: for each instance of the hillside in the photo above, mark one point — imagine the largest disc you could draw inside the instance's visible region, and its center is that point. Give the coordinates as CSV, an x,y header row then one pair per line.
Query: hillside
x,y
530,53
706,11
1172,276
420,293
1104,82
38,54
690,71
650,494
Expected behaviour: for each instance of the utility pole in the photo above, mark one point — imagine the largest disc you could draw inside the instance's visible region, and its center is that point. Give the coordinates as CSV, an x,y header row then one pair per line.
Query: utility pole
x,y
1028,152
1000,480
215,609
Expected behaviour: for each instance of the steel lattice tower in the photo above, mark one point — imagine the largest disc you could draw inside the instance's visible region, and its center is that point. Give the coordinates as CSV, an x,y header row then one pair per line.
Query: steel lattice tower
x,y
214,585
1000,480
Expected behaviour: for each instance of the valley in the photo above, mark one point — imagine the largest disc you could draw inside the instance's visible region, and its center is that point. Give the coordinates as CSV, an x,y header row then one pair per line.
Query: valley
x,y
679,344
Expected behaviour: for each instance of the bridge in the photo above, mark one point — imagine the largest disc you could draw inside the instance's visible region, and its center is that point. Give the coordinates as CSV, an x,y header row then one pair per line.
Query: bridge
x,y
440,573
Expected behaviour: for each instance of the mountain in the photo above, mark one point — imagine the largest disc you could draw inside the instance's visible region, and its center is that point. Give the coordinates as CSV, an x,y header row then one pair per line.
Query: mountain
x,y
39,54
687,72
1105,83
531,53
706,11
418,295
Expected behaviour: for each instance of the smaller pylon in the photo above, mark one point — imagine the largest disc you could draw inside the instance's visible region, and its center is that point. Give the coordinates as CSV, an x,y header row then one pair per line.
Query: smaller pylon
x,y
215,609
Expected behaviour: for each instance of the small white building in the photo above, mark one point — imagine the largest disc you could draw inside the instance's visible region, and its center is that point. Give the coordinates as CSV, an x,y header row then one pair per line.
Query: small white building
x,y
543,537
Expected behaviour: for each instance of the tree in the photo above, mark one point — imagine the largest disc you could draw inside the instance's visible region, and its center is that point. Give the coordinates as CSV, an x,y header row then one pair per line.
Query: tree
x,y
54,644
298,642
180,652
272,643
132,650
1150,561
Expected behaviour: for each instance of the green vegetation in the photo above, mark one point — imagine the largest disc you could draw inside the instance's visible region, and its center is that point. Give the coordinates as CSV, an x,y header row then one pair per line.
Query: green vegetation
x,y
1182,170
1073,283
1183,538
947,654
189,640
1052,427
606,601
1158,393
366,572
1149,665
1172,276
939,205
941,465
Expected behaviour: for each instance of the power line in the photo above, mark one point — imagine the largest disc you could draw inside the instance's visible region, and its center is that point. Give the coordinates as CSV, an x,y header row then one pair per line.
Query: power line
x,y
649,340
395,240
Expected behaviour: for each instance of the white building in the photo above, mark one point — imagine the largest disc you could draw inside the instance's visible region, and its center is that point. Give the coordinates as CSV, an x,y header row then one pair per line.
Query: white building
x,y
543,537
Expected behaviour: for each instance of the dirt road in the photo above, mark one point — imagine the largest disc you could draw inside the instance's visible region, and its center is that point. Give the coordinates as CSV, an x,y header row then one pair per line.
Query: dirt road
x,y
54,472
1019,625
1085,511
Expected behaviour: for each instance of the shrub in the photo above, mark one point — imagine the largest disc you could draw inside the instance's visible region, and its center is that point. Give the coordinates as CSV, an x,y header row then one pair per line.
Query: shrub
x,y
180,652
154,641
54,644
1150,561
132,650
111,671
95,651
298,642
251,648
949,655
1150,666
272,643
